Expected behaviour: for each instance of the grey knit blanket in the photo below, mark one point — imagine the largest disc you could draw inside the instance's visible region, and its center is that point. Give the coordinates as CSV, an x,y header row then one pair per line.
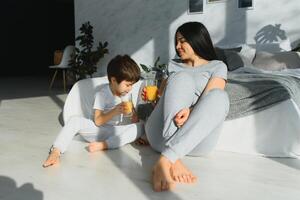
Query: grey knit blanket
x,y
252,90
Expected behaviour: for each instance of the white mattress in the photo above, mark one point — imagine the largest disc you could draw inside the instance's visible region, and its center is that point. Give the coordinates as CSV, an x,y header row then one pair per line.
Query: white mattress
x,y
273,132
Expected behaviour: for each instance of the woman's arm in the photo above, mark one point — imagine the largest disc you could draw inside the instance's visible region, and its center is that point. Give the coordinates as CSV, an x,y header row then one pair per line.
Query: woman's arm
x,y
215,82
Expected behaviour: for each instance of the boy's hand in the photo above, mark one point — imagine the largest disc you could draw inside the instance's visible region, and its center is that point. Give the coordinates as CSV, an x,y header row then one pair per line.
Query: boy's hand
x,y
134,118
119,109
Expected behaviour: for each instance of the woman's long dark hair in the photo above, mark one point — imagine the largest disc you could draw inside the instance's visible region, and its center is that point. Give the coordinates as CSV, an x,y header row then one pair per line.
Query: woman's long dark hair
x,y
196,34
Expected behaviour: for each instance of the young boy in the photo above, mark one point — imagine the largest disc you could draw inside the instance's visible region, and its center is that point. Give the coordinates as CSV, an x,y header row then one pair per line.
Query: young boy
x,y
106,131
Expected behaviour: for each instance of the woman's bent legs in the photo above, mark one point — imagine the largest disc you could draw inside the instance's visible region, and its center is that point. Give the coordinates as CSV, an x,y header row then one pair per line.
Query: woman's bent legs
x,y
200,133
208,114
197,136
179,94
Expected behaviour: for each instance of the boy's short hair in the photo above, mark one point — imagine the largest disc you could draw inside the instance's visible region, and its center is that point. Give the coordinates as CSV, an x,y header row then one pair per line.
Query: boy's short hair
x,y
123,68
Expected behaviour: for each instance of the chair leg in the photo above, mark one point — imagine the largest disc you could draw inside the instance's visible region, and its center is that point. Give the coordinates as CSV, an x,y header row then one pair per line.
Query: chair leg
x,y
53,79
64,79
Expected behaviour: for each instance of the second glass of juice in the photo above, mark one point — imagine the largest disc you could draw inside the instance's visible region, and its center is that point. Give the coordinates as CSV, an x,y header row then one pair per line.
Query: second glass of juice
x,y
151,89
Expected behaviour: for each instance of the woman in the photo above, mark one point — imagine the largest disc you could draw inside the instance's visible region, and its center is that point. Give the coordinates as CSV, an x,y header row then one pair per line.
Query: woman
x,y
191,108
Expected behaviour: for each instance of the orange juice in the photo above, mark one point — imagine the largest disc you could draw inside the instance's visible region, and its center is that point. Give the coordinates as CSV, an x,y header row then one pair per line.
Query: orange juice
x,y
128,107
151,91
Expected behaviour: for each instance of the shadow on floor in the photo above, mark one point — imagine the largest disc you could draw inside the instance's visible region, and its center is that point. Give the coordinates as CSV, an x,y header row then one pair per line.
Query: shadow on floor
x,y
9,190
26,87
290,162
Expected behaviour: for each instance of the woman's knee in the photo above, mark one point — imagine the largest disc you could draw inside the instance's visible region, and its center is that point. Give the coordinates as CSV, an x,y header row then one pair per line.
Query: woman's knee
x,y
182,82
219,98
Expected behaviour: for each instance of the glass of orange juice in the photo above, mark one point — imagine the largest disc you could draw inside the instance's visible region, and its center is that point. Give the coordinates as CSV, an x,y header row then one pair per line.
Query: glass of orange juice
x,y
127,101
151,90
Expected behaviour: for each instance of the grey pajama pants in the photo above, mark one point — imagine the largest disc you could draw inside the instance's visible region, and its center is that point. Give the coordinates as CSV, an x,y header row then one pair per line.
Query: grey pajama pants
x,y
199,135
114,136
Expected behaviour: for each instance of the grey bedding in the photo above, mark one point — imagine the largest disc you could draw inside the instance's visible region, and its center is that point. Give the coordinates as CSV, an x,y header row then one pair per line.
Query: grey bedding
x,y
251,90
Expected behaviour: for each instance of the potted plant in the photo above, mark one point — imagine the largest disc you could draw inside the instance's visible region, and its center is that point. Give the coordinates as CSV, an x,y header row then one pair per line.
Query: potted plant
x,y
159,71
84,60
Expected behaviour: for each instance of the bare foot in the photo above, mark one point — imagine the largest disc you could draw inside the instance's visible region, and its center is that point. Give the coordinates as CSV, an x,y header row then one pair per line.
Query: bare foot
x,y
53,158
97,146
161,177
141,141
181,174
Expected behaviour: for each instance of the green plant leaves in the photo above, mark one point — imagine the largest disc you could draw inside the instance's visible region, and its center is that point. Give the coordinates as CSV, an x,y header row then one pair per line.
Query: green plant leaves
x,y
161,68
145,68
84,60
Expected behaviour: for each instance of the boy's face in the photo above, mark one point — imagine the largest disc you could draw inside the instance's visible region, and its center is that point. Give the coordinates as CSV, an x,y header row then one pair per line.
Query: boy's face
x,y
121,88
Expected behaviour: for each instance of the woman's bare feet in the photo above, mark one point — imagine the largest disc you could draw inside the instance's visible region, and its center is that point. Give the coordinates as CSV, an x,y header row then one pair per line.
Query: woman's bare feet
x,y
161,177
181,174
97,146
53,158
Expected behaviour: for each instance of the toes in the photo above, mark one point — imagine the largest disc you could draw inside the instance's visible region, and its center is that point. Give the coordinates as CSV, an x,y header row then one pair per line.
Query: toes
x,y
189,179
171,185
181,180
176,178
167,185
157,186
164,185
49,163
194,179
51,160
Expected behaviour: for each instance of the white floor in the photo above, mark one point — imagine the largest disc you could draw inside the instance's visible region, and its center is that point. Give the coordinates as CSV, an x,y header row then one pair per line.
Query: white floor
x,y
30,118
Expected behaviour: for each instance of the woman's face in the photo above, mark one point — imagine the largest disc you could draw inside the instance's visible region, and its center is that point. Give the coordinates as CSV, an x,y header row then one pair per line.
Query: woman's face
x,y
184,49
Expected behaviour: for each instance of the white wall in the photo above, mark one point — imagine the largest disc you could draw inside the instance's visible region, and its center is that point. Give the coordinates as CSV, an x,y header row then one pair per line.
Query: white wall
x,y
145,29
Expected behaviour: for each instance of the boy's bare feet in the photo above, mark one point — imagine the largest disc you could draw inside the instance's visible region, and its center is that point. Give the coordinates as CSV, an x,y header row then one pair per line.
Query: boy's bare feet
x,y
53,158
181,174
97,146
161,177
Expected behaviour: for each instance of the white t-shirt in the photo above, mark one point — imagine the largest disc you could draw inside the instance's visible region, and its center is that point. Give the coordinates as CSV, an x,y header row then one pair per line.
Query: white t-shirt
x,y
106,101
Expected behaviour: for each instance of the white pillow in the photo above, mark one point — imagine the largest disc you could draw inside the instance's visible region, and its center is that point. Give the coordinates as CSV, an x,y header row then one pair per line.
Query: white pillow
x,y
248,52
283,45
277,61
235,60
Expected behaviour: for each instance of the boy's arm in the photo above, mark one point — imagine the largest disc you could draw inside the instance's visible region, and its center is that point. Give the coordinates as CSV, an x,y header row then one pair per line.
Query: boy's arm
x,y
101,118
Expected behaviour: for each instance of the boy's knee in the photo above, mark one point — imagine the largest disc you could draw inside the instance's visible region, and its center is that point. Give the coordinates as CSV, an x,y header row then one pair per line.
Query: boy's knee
x,y
75,121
